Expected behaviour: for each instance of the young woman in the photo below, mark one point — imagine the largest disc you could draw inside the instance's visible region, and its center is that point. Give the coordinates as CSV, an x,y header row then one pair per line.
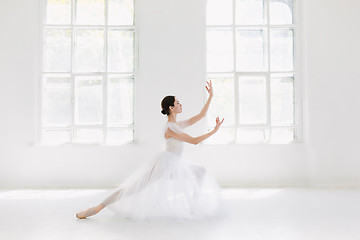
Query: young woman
x,y
168,186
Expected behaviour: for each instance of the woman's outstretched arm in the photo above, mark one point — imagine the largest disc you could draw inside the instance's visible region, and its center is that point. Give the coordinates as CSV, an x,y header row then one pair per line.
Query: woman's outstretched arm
x,y
194,140
204,110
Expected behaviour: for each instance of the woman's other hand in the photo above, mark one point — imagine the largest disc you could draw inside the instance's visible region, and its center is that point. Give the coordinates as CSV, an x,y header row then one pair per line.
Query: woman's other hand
x,y
209,88
218,124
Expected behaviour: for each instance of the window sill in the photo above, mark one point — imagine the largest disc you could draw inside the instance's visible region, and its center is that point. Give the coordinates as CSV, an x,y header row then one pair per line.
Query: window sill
x,y
255,144
83,144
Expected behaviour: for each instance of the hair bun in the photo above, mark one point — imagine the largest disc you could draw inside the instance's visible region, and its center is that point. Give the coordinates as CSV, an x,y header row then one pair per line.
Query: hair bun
x,y
163,112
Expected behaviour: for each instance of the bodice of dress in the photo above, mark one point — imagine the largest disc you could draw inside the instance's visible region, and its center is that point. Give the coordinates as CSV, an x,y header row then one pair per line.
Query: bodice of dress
x,y
174,145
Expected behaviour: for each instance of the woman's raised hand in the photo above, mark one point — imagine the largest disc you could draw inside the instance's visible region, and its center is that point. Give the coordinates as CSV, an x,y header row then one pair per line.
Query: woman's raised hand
x,y
209,88
218,124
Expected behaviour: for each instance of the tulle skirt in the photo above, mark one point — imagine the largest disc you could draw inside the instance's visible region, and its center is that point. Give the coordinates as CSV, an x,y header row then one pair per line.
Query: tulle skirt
x,y
167,187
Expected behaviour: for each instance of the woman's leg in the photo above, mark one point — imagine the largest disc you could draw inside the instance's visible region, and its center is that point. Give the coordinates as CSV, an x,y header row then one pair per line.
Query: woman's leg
x,y
110,199
135,188
141,183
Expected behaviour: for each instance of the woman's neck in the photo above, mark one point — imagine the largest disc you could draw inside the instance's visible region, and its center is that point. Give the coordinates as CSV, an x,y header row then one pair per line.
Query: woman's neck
x,y
172,118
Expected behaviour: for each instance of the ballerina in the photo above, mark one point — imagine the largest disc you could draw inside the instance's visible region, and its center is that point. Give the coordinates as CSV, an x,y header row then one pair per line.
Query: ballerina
x,y
167,185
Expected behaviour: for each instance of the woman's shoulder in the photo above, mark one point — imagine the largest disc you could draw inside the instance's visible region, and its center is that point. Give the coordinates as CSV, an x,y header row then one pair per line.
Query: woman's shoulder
x,y
175,126
181,124
172,123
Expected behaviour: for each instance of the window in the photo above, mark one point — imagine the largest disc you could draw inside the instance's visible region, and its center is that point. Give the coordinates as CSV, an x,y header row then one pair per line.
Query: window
x,y
252,61
88,68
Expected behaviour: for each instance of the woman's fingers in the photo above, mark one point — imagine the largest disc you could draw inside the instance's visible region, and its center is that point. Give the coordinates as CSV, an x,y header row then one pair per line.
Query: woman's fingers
x,y
218,121
209,87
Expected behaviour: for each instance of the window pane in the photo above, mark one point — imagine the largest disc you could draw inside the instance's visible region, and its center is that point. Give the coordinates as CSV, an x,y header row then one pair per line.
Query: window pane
x,y
58,11
252,100
90,12
89,50
246,135
120,101
282,135
88,100
250,12
119,136
54,137
250,50
83,82
281,50
222,104
121,51
121,12
220,50
219,12
281,11
58,50
223,135
282,99
89,136
57,100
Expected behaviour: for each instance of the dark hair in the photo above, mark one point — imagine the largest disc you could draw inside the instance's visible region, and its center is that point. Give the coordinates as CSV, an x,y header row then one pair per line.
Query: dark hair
x,y
166,103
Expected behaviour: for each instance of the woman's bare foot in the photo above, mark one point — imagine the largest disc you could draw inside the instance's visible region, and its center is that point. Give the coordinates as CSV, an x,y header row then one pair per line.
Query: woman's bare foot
x,y
89,212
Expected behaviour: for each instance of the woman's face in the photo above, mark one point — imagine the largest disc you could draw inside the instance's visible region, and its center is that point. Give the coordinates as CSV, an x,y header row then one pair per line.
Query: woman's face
x,y
177,106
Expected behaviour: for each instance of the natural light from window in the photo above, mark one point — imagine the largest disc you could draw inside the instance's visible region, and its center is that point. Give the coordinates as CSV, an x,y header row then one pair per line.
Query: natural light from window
x,y
88,72
250,54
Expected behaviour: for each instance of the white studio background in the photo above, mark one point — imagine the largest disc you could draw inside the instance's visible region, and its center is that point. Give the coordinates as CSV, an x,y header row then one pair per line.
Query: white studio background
x,y
171,61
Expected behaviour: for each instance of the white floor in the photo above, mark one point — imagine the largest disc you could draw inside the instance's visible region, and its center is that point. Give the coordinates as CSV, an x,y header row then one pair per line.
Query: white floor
x,y
267,213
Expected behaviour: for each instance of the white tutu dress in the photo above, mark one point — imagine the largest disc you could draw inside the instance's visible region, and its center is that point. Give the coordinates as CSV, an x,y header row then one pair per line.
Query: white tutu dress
x,y
168,186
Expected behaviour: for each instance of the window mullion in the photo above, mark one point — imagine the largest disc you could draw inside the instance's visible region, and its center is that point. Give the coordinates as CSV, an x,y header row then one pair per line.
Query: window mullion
x,y
236,95
72,29
105,78
298,123
43,4
236,92
268,93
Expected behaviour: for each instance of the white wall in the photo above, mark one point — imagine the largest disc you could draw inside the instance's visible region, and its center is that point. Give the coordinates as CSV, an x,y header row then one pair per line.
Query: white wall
x,y
333,83
171,39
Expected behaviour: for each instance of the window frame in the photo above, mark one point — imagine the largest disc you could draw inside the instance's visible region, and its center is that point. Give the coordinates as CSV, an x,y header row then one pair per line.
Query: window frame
x,y
72,127
297,76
